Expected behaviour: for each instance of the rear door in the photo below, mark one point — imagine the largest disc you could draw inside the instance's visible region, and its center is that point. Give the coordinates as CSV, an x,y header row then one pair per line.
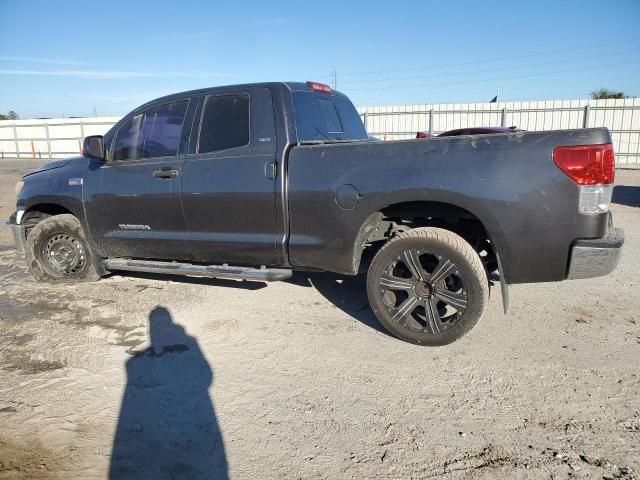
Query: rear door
x,y
132,200
228,185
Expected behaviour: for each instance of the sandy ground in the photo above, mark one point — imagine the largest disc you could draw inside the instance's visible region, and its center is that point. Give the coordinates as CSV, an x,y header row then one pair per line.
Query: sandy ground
x,y
143,377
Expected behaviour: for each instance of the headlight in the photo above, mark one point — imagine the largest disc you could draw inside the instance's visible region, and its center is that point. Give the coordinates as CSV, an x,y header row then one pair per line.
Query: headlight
x,y
19,186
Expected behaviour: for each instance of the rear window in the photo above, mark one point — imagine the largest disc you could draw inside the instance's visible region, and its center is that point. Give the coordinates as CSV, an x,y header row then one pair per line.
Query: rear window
x,y
323,117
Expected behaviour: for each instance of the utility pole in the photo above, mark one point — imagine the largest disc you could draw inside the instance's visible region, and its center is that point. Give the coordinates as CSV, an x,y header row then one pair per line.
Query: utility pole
x,y
334,79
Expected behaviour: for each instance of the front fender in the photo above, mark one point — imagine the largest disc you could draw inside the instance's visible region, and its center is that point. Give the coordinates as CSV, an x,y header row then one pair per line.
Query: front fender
x,y
55,190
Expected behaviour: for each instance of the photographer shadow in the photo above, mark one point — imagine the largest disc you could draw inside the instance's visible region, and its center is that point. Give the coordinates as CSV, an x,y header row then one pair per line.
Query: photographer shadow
x,y
167,426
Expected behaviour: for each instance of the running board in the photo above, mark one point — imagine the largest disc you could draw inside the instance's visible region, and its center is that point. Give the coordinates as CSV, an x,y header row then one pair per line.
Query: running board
x,y
214,271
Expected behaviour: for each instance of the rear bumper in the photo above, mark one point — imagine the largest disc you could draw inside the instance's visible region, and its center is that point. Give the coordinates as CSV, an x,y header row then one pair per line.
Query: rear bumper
x,y
596,257
18,233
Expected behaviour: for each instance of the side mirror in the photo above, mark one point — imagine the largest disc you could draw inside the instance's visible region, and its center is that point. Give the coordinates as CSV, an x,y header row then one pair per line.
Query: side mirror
x,y
93,147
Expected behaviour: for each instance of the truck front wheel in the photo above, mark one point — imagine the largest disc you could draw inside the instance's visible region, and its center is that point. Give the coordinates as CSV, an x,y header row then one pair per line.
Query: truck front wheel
x,y
427,286
57,252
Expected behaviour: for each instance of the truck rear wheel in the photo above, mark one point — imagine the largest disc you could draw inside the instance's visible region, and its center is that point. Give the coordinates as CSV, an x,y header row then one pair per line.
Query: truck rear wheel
x,y
427,286
57,251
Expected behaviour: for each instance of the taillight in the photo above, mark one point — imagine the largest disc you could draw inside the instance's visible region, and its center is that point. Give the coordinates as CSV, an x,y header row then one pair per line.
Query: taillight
x,y
592,167
318,87
586,164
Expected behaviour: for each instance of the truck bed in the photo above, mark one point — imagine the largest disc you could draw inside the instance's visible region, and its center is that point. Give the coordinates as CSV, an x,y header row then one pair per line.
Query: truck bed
x,y
509,182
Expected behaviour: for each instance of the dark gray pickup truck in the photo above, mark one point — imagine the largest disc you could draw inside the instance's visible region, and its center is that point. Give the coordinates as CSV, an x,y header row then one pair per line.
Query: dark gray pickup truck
x,y
255,181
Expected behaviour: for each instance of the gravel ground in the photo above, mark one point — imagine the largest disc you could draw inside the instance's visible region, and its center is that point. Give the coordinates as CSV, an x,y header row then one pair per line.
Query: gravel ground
x,y
152,377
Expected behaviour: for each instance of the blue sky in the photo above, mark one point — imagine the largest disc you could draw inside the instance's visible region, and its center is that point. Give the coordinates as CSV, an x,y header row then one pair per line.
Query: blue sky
x,y
76,57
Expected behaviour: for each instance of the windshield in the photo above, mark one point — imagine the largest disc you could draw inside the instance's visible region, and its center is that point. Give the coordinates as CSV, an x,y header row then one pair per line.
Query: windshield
x,y
321,117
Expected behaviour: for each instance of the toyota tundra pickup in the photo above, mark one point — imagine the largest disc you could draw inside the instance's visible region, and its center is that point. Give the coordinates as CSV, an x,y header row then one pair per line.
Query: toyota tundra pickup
x,y
255,181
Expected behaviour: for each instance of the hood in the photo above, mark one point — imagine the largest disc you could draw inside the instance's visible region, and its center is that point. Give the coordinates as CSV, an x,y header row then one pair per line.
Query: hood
x,y
52,165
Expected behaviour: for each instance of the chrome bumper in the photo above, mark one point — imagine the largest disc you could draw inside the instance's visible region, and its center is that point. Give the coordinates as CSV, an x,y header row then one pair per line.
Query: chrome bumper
x,y
18,233
596,257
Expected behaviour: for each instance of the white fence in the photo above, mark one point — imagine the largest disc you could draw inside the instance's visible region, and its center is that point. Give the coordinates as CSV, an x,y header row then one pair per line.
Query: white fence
x,y
51,138
621,117
58,138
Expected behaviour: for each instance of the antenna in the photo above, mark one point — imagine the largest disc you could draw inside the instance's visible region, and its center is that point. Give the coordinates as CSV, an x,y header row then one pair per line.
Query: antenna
x,y
334,79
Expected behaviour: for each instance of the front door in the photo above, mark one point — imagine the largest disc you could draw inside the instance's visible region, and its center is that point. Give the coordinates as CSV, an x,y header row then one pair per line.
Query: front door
x,y
133,199
228,186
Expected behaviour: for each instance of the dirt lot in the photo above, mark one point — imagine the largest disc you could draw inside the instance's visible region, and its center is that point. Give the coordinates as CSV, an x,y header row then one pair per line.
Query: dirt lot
x,y
142,377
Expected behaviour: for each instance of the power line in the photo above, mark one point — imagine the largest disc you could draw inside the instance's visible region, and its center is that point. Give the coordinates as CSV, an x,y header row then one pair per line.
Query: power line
x,y
514,67
391,87
550,52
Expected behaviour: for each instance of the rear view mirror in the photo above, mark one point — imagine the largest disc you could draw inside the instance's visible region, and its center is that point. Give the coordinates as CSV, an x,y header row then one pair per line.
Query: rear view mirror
x,y
93,147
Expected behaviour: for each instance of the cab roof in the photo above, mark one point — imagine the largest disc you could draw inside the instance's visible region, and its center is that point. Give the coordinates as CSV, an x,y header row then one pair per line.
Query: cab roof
x,y
291,86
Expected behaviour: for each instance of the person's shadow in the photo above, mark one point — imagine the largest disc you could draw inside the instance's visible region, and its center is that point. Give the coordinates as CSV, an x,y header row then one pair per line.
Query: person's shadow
x,y
167,427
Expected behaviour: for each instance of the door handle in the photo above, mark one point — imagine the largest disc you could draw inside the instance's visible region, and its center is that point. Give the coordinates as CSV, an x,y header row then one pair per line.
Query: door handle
x,y
270,169
165,173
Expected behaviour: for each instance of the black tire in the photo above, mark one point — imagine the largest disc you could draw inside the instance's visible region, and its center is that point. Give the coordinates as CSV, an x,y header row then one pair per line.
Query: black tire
x,y
434,301
57,252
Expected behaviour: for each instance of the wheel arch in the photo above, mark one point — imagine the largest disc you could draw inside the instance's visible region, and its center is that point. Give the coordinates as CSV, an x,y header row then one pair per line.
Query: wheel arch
x,y
46,208
43,206
427,211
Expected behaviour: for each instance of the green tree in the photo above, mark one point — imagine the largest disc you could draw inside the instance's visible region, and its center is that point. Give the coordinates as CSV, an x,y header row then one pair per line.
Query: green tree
x,y
10,116
603,93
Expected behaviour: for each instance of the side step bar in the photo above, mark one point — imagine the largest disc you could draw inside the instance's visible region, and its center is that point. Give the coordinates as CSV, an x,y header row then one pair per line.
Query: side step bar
x,y
214,271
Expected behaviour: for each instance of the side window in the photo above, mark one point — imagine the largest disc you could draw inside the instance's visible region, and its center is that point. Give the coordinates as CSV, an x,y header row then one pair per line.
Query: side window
x,y
225,123
154,133
128,139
